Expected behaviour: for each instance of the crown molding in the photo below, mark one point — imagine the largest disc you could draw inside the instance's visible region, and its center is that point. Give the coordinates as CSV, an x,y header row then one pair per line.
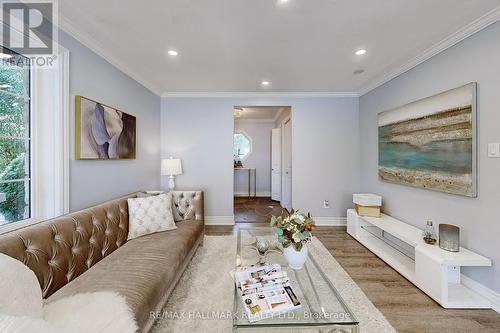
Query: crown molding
x,y
453,39
99,49
254,120
259,94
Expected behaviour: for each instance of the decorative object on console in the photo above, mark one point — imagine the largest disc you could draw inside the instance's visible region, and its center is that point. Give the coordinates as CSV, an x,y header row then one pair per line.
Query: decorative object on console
x,y
429,234
431,143
150,215
293,230
103,132
171,167
449,237
367,204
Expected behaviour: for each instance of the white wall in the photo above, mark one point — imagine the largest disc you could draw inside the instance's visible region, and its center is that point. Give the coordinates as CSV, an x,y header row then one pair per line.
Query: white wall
x,y
476,59
325,149
92,182
260,158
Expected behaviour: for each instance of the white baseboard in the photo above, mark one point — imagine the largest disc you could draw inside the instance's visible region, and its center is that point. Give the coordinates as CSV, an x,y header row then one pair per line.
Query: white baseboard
x,y
484,291
330,221
259,194
219,220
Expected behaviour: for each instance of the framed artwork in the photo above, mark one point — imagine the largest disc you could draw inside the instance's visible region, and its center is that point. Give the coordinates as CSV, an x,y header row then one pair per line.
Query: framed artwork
x,y
431,143
103,132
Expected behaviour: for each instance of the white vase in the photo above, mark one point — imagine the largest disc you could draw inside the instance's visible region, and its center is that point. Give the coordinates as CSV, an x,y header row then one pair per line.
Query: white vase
x,y
296,259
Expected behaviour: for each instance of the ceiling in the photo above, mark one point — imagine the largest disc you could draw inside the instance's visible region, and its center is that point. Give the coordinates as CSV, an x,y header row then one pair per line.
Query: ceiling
x,y
298,46
261,112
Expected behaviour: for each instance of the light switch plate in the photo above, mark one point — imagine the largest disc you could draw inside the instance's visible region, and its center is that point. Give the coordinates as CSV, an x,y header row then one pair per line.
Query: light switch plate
x,y
494,150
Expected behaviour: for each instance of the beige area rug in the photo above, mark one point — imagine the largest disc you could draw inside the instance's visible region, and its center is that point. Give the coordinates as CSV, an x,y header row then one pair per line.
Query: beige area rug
x,y
205,292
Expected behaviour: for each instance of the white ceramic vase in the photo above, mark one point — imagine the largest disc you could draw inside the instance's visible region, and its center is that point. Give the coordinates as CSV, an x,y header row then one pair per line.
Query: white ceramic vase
x,y
296,259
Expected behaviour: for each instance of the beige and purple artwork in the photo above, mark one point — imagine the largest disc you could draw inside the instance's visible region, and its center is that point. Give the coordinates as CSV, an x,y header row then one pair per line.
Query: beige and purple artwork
x,y
103,132
431,143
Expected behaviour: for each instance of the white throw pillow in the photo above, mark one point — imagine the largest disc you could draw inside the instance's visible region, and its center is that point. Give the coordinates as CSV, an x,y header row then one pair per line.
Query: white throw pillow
x,y
20,292
150,215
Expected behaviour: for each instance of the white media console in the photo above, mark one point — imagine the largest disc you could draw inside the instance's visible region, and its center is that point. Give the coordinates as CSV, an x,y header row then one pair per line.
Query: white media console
x,y
433,270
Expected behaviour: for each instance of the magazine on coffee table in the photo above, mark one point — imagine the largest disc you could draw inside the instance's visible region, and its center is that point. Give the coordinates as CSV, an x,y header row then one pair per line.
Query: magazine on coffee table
x,y
265,290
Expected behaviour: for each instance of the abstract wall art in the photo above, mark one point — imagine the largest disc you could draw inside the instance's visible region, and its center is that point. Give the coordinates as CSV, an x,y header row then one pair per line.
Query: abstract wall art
x,y
103,132
431,143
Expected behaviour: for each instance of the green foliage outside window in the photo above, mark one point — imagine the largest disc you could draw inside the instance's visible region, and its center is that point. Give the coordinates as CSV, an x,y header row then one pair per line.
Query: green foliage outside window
x,y
14,141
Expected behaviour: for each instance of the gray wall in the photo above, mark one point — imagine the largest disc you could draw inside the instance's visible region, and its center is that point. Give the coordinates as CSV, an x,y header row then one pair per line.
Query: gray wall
x,y
476,59
325,149
260,158
92,182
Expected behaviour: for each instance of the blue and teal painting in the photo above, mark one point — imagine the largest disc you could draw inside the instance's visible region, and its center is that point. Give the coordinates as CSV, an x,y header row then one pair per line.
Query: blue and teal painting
x,y
433,150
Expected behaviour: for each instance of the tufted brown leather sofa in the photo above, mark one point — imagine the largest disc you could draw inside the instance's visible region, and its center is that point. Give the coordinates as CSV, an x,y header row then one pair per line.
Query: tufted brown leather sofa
x,y
88,251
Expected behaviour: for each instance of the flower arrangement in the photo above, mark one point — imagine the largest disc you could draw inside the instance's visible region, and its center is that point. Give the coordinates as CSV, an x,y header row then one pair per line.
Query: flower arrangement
x,y
293,228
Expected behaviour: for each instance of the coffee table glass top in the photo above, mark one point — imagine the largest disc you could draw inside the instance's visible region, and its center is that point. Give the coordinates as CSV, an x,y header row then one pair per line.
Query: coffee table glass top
x,y
321,303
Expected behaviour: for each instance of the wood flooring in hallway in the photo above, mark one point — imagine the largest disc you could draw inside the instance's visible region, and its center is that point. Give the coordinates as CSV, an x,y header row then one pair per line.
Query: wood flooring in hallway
x,y
255,210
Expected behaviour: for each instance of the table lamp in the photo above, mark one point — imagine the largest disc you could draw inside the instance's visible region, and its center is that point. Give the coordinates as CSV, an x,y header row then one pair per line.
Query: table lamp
x,y
171,167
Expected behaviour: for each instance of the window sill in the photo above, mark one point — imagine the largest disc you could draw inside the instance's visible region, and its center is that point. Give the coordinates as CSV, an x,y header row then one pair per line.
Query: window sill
x,y
18,225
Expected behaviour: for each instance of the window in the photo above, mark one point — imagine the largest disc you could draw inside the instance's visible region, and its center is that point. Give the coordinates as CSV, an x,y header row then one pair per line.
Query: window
x,y
242,146
15,138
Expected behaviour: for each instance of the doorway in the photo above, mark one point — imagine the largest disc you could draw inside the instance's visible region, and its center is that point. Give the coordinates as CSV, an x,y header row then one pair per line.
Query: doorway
x,y
262,162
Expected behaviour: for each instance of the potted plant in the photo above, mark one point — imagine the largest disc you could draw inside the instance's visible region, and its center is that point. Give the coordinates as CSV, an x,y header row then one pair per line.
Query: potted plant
x,y
293,230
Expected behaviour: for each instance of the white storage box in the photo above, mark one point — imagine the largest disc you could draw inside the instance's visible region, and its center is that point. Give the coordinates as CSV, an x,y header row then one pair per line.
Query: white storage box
x,y
367,199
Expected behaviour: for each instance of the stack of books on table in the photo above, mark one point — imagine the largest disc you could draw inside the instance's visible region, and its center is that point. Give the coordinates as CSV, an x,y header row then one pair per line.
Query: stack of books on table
x,y
265,291
367,204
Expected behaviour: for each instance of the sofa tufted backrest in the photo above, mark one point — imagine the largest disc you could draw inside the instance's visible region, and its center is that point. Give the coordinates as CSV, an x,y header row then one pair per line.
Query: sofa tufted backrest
x,y
61,249
188,205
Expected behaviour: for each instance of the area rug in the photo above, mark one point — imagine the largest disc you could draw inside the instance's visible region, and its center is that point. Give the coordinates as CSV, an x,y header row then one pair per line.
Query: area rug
x,y
203,298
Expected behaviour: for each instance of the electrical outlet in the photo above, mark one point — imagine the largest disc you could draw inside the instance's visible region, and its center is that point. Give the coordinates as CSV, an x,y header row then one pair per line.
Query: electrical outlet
x,y
494,150
326,204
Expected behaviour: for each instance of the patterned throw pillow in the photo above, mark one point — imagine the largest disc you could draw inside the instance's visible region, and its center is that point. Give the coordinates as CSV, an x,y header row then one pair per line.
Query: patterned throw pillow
x,y
150,215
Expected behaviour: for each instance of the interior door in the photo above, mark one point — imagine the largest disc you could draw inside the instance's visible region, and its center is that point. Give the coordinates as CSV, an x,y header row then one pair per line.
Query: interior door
x,y
287,166
276,164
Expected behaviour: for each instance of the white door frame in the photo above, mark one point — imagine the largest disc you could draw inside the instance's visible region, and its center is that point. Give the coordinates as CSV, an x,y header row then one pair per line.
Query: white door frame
x,y
276,173
282,126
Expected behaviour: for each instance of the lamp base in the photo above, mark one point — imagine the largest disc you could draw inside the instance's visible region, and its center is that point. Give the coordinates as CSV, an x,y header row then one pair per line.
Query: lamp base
x,y
171,182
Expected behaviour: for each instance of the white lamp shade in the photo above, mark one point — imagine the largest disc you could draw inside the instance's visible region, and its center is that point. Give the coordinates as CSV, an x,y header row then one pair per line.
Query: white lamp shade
x,y
171,167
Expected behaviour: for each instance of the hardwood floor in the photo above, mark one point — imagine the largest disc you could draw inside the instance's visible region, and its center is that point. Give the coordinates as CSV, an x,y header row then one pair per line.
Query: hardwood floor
x,y
255,210
404,305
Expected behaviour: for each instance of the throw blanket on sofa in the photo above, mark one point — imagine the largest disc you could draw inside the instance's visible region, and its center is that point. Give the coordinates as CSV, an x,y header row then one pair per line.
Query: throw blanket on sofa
x,y
22,309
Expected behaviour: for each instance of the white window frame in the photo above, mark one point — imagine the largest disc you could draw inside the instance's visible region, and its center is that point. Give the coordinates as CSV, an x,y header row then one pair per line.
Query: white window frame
x,y
240,131
49,145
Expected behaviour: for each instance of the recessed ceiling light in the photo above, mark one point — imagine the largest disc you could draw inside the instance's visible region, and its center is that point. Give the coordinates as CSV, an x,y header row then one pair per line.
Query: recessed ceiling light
x,y
360,52
173,53
5,56
265,83
283,0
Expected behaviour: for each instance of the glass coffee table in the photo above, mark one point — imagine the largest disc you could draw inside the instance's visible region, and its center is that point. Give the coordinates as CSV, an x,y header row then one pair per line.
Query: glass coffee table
x,y
323,309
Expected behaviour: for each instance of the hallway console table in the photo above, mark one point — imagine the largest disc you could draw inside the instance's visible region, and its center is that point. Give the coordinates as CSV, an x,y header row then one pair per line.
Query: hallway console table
x,y
250,170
